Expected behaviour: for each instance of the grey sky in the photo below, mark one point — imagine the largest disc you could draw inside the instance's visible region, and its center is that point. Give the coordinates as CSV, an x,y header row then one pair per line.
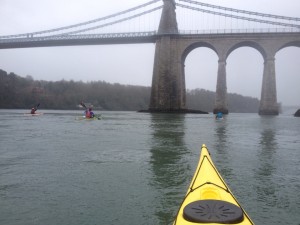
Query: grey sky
x,y
133,64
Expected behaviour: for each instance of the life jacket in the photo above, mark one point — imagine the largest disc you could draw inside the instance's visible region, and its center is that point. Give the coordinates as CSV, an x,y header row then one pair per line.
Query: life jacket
x,y
87,114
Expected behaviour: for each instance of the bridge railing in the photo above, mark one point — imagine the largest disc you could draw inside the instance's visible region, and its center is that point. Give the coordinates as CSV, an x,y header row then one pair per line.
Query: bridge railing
x,y
132,35
235,31
79,37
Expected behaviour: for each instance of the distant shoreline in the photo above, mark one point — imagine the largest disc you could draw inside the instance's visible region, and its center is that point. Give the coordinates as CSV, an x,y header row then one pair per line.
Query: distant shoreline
x,y
179,111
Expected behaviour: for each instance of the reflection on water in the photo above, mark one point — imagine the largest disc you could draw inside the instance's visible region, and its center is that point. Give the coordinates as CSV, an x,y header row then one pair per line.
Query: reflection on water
x,y
268,149
221,135
266,167
221,147
168,164
265,186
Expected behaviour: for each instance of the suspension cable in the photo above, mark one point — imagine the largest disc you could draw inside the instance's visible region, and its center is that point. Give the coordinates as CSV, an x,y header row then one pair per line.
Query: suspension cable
x,y
111,23
83,23
238,17
242,11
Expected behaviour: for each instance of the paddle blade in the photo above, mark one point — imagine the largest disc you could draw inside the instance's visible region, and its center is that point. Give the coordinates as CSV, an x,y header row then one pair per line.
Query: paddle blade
x,y
81,103
36,107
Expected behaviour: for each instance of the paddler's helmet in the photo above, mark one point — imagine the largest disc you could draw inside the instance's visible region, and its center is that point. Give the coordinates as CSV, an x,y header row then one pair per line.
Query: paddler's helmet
x,y
90,109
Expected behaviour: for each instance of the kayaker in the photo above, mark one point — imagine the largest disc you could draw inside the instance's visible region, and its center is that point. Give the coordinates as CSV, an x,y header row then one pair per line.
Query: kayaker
x,y
89,113
219,115
32,110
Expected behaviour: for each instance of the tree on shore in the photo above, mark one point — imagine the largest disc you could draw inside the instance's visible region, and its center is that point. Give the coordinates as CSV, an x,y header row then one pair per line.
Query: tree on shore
x,y
18,92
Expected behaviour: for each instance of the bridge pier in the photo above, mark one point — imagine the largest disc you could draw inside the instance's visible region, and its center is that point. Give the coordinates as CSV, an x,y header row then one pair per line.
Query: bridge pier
x,y
168,87
168,83
268,101
221,104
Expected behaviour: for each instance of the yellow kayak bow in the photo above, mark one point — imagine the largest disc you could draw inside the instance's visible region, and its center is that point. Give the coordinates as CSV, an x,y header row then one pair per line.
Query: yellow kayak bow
x,y
208,199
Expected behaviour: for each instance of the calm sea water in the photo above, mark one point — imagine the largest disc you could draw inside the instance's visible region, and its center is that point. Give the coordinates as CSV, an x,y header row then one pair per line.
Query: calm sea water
x,y
134,169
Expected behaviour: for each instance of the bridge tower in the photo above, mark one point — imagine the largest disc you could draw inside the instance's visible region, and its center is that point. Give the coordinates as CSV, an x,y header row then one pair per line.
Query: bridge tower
x,y
168,83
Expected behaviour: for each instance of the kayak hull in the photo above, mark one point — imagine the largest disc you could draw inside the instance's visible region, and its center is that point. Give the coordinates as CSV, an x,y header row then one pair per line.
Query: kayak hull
x,y
35,114
88,119
208,199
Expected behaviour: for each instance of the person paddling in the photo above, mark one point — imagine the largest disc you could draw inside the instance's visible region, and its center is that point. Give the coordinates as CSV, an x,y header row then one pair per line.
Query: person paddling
x,y
89,113
33,109
219,115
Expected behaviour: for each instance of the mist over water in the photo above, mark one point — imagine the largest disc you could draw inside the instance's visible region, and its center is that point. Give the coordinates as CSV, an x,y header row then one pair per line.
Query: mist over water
x,y
134,168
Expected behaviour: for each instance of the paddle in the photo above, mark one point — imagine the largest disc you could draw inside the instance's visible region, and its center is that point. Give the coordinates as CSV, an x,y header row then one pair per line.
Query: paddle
x,y
36,107
83,105
98,117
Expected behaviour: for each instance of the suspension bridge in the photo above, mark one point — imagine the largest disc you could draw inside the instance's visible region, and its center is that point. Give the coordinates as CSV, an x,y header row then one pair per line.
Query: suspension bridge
x,y
221,29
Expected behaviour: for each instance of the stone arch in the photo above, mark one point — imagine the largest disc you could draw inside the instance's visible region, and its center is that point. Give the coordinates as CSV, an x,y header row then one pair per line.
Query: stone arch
x,y
250,44
195,45
246,60
289,44
186,51
287,75
268,100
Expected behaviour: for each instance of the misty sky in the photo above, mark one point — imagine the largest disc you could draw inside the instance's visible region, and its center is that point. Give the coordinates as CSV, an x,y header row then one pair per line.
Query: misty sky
x,y
133,64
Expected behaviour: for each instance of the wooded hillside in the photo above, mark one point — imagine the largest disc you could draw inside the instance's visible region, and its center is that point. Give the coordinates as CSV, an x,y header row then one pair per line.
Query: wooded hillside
x,y
19,92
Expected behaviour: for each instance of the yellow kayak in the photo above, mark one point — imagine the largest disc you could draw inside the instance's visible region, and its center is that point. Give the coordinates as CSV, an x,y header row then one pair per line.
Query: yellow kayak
x,y
96,117
208,199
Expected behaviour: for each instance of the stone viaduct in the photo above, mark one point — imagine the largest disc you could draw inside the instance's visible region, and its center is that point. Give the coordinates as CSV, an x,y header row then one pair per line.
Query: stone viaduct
x,y
168,82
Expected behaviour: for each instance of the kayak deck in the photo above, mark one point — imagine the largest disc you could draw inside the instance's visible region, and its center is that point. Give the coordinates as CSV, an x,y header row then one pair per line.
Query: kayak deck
x,y
208,199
